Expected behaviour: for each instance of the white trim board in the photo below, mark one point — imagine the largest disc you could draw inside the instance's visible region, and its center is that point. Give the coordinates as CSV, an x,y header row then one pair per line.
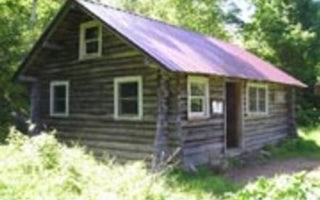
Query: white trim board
x,y
206,112
52,85
128,79
257,113
82,41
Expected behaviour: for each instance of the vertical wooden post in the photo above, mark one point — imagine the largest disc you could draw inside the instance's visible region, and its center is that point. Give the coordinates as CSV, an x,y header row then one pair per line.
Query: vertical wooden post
x,y
293,125
179,120
35,107
161,143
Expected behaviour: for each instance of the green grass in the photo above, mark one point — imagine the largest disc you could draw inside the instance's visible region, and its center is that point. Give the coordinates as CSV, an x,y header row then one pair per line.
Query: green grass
x,y
306,145
312,134
42,168
202,181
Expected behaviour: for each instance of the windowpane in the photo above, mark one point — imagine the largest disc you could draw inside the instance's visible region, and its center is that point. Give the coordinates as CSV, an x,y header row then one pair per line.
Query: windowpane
x,y
59,106
197,89
128,106
129,89
59,99
262,99
198,97
92,47
91,33
197,105
60,91
128,98
258,99
91,40
253,99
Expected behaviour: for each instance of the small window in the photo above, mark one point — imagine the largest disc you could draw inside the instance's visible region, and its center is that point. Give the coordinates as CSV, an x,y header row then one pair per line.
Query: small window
x,y
128,98
198,97
257,99
59,98
90,40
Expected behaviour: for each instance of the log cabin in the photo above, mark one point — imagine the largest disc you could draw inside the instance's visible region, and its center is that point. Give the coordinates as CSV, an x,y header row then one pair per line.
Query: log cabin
x,y
138,88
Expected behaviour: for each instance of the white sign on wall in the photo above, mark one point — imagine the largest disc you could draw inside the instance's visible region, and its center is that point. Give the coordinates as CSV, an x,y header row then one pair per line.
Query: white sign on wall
x,y
217,107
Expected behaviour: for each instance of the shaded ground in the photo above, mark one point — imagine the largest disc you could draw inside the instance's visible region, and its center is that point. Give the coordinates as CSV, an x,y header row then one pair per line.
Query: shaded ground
x,y
272,168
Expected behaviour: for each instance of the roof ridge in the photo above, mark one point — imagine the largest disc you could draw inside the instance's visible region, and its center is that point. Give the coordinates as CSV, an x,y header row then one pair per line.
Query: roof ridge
x,y
151,19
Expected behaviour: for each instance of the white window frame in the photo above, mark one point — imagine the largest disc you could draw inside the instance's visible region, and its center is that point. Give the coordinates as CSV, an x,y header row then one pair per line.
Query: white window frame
x,y
52,85
128,79
206,111
258,112
82,41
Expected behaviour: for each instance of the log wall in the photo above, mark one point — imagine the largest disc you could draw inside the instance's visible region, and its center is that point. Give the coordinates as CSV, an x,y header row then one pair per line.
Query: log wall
x,y
261,130
203,140
91,122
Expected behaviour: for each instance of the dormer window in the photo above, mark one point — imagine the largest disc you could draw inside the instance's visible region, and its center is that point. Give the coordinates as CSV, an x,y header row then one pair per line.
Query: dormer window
x,y
90,40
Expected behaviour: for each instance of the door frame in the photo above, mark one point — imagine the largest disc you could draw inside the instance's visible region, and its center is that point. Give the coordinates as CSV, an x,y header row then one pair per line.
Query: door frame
x,y
241,85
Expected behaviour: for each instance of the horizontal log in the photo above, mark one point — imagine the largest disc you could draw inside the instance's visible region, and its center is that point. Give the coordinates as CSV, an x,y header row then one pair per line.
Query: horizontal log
x,y
204,135
203,149
109,136
202,123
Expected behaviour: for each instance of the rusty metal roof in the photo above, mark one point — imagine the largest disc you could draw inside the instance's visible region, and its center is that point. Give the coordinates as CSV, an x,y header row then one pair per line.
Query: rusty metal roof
x,y
180,50
186,51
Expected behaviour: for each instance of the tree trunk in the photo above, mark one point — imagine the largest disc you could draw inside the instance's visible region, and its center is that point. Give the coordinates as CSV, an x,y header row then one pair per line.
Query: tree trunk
x,y
33,17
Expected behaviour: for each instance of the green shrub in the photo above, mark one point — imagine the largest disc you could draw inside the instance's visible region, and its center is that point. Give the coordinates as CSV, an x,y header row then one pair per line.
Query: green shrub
x,y
308,116
297,147
42,168
290,187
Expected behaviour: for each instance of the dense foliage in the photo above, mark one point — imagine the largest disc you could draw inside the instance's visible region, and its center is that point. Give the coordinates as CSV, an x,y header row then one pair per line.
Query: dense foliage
x,y
205,16
287,33
17,33
297,186
42,168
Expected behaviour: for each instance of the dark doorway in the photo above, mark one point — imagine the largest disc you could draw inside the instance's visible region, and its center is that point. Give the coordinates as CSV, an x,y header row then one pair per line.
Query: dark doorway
x,y
233,112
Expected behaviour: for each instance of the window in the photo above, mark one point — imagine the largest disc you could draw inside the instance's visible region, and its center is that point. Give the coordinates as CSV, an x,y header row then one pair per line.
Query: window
x,y
128,102
257,99
59,98
198,97
90,40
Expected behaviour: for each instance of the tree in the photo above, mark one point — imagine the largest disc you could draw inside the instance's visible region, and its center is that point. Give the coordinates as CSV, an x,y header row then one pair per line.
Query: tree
x,y
287,33
23,22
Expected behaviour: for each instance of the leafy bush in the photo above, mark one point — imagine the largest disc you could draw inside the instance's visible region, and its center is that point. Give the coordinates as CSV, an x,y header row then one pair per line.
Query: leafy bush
x,y
42,168
308,116
306,145
297,186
